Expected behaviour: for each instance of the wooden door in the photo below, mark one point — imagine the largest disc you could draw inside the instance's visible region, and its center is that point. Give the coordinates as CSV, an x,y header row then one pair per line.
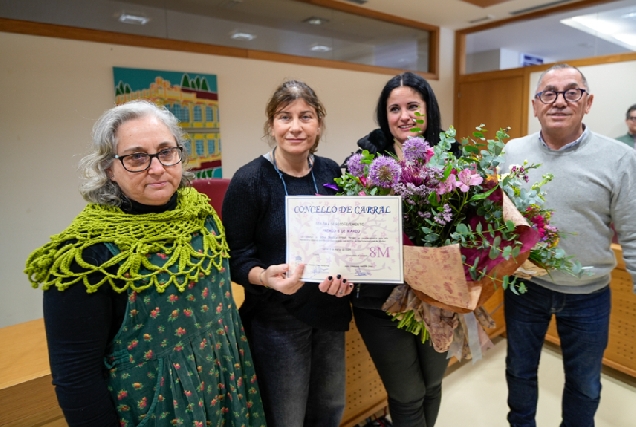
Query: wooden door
x,y
497,100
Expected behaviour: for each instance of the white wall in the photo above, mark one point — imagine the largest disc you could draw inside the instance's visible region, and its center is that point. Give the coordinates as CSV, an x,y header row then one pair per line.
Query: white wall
x,y
491,60
53,91
508,59
487,60
613,94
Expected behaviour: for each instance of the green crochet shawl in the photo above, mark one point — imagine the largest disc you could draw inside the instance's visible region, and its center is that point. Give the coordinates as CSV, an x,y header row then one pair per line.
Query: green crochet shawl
x,y
167,234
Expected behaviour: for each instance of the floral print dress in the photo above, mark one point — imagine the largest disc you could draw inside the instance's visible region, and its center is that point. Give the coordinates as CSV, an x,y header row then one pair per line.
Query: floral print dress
x,y
182,359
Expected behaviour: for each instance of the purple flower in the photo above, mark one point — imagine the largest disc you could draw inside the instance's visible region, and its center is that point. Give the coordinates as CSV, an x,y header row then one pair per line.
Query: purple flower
x,y
411,175
445,216
384,172
354,165
417,149
332,186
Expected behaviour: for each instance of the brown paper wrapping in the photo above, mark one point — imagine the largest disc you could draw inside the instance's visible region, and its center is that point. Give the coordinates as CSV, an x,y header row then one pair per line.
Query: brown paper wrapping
x,y
437,276
528,270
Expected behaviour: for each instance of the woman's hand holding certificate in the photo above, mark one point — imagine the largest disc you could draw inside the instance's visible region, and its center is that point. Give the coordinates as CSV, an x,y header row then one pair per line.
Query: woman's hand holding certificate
x,y
355,237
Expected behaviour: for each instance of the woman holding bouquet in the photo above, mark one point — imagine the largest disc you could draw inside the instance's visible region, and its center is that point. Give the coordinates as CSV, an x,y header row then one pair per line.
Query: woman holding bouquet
x,y
296,330
411,371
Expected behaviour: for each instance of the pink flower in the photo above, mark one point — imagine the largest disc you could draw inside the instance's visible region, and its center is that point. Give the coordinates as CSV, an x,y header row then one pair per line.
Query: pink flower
x,y
142,403
447,186
467,179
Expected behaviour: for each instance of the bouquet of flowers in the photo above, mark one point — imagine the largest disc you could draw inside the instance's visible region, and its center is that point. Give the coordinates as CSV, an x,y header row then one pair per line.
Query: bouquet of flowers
x,y
545,255
467,229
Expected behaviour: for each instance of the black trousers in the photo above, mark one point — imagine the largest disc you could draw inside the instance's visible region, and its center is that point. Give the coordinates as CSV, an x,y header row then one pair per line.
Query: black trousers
x,y
411,371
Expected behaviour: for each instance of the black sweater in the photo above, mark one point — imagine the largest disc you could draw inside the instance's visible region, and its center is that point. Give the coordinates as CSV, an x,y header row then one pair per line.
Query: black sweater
x,y
370,295
254,220
79,327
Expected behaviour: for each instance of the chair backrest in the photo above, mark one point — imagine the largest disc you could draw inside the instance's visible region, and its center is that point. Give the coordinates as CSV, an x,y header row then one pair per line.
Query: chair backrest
x,y
214,188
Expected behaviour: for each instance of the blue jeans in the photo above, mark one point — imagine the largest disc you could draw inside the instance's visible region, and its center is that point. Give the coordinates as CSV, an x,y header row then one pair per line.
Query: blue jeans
x,y
583,325
300,369
411,371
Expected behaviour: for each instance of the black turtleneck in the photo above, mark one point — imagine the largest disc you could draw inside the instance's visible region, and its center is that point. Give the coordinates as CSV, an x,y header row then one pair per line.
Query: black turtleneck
x,y
79,326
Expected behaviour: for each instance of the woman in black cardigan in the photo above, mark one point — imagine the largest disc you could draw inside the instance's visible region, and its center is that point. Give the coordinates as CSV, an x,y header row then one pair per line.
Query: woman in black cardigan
x,y
411,371
295,329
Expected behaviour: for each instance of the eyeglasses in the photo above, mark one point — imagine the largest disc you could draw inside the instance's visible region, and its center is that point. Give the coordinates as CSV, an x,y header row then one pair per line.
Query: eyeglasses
x,y
139,162
550,96
632,118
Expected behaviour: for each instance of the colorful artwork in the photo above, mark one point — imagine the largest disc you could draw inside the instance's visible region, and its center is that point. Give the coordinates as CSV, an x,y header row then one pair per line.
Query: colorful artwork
x,y
192,98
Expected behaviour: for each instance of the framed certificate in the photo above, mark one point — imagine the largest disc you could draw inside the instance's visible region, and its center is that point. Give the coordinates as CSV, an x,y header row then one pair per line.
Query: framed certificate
x,y
357,237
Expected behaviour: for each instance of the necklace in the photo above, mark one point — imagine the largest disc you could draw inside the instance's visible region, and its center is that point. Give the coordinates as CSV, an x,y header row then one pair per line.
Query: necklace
x,y
280,174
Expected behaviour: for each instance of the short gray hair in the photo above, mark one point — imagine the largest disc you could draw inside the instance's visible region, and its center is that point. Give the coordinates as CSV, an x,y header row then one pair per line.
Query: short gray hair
x,y
96,186
562,66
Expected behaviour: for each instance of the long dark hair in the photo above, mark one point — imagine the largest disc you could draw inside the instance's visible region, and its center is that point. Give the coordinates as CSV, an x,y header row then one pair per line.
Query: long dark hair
x,y
421,86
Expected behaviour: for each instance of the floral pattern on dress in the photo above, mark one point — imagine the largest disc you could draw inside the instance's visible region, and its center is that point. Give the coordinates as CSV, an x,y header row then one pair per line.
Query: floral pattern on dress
x,y
182,359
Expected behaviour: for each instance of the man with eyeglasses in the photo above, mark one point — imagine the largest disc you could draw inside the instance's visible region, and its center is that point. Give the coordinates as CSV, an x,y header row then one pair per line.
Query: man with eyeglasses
x,y
630,120
594,186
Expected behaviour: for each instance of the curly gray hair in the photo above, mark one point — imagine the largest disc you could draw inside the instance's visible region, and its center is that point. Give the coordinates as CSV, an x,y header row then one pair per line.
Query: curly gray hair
x,y
96,186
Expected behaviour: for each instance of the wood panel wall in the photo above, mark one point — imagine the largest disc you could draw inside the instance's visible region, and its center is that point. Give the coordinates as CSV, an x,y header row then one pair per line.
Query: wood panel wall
x,y
620,353
496,100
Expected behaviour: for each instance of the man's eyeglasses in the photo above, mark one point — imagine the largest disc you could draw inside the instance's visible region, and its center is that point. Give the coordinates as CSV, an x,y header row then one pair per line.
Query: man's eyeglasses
x,y
632,118
139,162
550,96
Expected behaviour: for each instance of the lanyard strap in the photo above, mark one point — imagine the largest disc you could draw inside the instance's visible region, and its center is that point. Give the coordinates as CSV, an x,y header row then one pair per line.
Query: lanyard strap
x,y
280,174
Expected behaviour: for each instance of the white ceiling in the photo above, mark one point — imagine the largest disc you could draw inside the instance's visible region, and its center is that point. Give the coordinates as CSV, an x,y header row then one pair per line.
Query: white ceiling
x,y
453,14
544,37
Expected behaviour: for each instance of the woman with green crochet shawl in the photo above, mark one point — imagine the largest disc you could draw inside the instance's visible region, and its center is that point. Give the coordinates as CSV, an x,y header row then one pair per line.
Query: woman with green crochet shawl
x,y
140,321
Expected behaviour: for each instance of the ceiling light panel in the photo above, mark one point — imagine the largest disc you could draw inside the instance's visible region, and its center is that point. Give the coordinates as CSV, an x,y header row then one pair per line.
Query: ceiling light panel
x,y
315,20
538,7
615,26
242,35
320,48
628,39
133,18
